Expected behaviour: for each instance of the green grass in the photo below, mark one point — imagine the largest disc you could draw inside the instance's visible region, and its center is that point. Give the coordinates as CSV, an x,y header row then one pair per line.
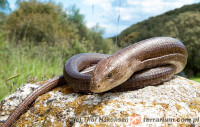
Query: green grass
x,y
28,62
20,64
197,79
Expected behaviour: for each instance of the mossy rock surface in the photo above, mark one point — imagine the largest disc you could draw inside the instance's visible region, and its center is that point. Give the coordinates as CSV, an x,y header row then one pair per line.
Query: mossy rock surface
x,y
179,98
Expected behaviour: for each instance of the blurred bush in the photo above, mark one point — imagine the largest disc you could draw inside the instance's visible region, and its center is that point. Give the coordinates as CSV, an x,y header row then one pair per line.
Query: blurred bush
x,y
182,23
37,22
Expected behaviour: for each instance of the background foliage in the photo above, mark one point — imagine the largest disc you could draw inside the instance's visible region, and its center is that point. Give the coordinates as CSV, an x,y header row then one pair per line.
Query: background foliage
x,y
182,23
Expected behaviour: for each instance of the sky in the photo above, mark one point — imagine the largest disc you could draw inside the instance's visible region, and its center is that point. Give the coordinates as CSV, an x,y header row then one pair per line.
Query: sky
x,y
116,15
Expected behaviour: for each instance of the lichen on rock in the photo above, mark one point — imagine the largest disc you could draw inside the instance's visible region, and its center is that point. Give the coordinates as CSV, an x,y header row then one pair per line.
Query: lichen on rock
x,y
177,99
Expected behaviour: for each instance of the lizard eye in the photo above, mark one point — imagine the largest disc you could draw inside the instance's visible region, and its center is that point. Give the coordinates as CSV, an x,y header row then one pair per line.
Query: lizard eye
x,y
109,75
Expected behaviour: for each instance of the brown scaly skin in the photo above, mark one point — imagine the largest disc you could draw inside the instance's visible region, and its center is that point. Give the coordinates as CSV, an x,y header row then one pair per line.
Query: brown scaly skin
x,y
147,62
145,54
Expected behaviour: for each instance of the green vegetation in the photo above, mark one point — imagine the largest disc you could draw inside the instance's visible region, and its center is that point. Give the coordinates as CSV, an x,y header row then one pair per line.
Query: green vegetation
x,y
197,79
182,24
4,6
38,38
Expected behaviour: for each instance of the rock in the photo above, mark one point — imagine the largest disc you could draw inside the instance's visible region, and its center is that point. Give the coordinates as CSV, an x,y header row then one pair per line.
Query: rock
x,y
174,103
